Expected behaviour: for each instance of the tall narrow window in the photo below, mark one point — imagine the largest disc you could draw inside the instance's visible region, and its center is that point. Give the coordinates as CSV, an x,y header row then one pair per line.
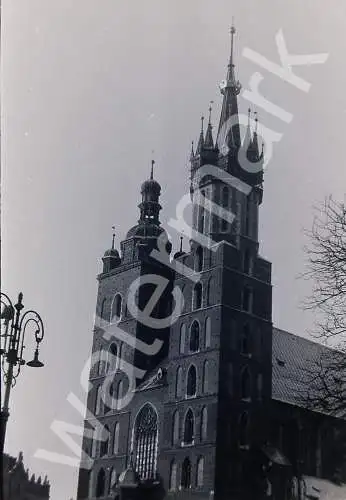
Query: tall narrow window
x,y
206,376
175,427
191,381
91,475
100,483
204,423
182,338
209,295
116,438
112,358
247,262
189,427
199,259
145,434
98,401
248,215
102,310
245,384
199,475
201,210
197,296
245,340
105,441
194,337
112,480
247,299
120,395
186,474
244,429
95,443
207,333
179,383
173,476
225,203
116,308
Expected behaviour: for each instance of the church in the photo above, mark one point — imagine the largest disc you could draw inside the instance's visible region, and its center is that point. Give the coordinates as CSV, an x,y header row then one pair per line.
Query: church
x,y
193,391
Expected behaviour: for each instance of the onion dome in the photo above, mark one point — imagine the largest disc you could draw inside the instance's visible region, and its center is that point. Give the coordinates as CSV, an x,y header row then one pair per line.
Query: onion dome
x,y
111,257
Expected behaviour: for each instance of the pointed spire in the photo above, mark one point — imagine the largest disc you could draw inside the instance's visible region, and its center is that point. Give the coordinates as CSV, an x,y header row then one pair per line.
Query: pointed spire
x,y
181,244
113,237
201,138
229,133
209,142
192,154
255,137
152,170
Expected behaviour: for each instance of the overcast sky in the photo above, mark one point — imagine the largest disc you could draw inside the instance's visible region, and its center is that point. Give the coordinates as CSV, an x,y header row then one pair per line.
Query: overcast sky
x,y
89,89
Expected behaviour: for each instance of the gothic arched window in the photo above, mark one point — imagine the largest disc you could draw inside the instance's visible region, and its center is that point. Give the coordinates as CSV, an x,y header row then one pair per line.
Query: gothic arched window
x,y
116,308
205,376
112,357
175,427
199,474
189,427
102,310
209,298
225,203
104,441
244,429
145,442
186,474
207,333
191,385
204,423
245,340
199,259
120,394
112,481
245,384
197,296
116,438
194,337
179,383
182,338
173,476
100,483
201,210
98,401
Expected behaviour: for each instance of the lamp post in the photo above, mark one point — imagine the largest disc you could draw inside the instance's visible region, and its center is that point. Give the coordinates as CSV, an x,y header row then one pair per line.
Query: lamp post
x,y
11,354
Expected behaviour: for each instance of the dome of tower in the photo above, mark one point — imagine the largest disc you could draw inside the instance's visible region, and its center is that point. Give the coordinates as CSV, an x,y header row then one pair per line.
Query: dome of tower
x,y
151,186
112,252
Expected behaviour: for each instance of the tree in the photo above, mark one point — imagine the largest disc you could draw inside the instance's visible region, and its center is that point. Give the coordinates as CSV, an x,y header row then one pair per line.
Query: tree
x,y
327,268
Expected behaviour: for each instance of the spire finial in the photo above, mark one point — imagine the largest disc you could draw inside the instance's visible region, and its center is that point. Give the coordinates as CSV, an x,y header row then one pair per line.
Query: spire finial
x,y
232,31
248,116
181,244
202,120
113,237
152,165
256,122
210,110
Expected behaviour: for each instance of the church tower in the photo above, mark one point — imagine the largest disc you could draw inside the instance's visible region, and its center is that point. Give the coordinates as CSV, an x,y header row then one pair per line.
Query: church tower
x,y
179,399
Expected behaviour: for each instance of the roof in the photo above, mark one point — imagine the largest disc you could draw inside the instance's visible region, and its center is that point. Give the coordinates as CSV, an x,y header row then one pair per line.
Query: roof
x,y
292,358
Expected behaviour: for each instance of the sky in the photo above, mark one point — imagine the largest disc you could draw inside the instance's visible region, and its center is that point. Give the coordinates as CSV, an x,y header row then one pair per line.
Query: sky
x,y
88,90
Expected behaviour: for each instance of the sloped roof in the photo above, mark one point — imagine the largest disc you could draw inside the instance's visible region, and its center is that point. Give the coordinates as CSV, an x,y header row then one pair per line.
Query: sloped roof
x,y
292,359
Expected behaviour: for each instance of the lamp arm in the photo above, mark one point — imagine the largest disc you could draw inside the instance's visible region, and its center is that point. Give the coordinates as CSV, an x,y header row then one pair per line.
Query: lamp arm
x,y
39,332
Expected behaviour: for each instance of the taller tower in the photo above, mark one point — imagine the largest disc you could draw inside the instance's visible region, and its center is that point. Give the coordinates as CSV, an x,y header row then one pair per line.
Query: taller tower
x,y
199,382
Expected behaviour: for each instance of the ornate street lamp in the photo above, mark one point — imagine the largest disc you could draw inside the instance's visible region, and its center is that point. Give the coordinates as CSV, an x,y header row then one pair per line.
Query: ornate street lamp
x,y
11,351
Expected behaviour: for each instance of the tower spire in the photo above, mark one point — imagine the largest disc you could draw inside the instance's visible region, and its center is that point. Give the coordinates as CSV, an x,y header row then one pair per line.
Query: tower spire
x,y
113,237
209,142
228,136
201,137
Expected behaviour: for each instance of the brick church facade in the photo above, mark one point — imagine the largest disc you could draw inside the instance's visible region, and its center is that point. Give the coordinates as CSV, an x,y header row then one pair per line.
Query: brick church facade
x,y
192,388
